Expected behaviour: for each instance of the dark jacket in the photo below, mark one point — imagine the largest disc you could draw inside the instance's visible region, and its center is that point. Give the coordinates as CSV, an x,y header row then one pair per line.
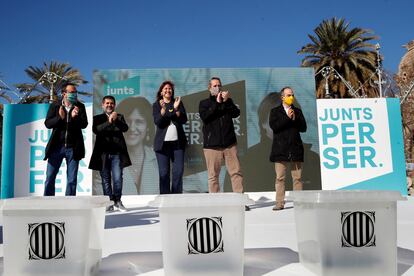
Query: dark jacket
x,y
162,123
68,130
109,139
287,144
218,128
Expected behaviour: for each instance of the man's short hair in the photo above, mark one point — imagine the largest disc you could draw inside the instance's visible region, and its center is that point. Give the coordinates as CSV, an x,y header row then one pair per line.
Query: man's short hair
x,y
108,97
282,91
214,78
66,84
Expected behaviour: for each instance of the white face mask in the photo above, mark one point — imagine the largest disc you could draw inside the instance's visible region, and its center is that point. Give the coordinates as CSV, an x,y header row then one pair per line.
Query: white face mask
x,y
214,90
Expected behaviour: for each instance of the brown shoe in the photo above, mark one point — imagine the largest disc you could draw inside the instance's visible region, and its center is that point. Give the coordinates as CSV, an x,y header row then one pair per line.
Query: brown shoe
x,y
278,208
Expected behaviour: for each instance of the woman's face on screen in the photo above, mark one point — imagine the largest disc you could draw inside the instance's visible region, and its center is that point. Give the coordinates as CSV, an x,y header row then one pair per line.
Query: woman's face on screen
x,y
137,128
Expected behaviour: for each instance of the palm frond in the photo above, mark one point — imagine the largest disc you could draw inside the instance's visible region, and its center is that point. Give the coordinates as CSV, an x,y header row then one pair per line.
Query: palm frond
x,y
41,86
348,50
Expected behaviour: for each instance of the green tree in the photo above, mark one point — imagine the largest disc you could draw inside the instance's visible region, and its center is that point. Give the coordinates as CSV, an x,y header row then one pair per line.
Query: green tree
x,y
39,91
348,51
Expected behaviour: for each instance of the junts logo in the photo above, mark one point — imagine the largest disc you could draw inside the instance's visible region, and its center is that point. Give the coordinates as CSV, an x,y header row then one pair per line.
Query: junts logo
x,y
358,229
46,241
205,235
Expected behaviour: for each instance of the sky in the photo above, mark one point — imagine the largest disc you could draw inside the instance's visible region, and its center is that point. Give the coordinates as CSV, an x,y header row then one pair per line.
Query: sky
x,y
135,34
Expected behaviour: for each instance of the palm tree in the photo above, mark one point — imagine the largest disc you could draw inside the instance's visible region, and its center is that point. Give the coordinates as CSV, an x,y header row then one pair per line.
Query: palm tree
x,y
347,51
39,91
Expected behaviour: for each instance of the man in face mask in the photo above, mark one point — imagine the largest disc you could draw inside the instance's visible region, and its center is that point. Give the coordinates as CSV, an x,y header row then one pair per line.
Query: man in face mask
x,y
286,121
67,118
220,143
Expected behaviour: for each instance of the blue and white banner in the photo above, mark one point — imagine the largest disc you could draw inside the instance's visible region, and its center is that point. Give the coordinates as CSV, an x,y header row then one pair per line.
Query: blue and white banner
x,y
361,144
24,141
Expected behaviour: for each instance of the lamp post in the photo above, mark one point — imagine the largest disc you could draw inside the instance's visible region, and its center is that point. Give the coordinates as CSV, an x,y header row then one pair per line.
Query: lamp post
x,y
51,78
379,70
326,71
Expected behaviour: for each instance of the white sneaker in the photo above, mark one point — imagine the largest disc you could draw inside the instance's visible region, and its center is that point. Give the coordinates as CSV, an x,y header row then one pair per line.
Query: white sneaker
x,y
110,208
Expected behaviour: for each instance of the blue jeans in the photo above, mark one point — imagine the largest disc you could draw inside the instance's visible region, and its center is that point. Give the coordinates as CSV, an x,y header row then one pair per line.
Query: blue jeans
x,y
112,166
171,151
53,165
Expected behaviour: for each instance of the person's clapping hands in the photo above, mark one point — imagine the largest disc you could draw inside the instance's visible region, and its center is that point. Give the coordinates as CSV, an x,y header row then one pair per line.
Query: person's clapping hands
x,y
112,117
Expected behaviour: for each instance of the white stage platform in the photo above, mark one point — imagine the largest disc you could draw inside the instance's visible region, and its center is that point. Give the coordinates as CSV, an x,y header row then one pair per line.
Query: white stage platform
x,y
132,243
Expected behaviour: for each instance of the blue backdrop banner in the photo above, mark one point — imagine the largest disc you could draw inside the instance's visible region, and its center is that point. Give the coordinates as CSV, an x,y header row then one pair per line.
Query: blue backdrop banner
x,y
254,90
24,141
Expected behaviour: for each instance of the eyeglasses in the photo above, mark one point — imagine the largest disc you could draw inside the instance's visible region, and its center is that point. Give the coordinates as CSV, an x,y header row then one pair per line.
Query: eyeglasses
x,y
216,85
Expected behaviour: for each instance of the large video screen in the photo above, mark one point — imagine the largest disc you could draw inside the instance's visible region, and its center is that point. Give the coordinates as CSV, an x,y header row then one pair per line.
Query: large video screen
x,y
255,90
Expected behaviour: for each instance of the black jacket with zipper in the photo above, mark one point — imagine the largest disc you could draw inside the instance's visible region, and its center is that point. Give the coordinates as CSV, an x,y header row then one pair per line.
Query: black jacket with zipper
x,y
287,144
66,131
109,139
218,128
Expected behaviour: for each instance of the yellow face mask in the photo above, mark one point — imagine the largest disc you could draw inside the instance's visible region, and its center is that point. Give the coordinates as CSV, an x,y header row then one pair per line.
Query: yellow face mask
x,y
289,100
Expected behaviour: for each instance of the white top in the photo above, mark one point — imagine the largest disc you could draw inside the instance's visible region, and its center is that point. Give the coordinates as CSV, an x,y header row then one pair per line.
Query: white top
x,y
171,134
286,107
66,107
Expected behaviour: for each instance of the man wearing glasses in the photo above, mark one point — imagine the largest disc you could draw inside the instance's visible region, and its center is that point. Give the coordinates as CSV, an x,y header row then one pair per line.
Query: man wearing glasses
x,y
286,121
67,118
220,143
